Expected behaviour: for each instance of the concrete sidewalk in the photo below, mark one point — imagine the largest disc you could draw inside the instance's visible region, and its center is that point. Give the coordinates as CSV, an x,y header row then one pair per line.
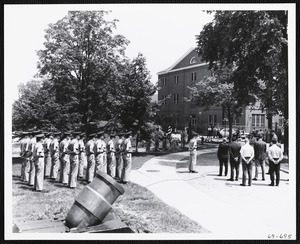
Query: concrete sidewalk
x,y
224,208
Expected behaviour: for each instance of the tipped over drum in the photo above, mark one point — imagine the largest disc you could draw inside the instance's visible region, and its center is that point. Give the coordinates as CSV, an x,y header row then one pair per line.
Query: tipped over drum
x,y
94,202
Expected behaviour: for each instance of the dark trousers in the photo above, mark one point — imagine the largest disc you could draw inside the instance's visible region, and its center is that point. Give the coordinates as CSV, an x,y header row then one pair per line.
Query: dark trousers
x,y
234,166
261,163
223,161
274,168
247,169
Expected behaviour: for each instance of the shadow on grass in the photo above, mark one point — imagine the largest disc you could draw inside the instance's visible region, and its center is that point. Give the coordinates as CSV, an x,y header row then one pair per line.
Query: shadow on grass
x,y
22,183
29,188
60,185
17,160
16,177
185,159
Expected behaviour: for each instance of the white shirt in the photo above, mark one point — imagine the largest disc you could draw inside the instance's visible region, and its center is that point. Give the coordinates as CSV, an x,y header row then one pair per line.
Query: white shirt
x,y
127,145
275,151
193,145
247,151
111,146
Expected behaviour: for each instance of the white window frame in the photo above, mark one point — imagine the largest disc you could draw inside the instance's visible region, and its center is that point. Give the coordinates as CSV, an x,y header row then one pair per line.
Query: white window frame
x,y
175,98
257,120
176,79
194,76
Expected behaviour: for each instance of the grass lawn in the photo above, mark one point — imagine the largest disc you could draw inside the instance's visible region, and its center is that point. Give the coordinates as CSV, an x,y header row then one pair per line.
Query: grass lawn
x,y
139,208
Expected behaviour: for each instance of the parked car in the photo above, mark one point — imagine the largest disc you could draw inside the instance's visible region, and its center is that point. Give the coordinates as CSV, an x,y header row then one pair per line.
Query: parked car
x,y
224,133
244,135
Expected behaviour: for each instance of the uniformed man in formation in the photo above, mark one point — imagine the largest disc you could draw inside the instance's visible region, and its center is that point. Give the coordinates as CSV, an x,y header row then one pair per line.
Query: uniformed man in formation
x,y
61,156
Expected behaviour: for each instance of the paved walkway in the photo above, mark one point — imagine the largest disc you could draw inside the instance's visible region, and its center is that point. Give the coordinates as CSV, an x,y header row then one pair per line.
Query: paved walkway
x,y
226,209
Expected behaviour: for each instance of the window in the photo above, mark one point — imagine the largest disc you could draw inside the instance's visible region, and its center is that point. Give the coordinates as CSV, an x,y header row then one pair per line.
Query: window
x,y
258,120
193,60
176,98
212,119
176,79
164,99
194,76
164,81
193,121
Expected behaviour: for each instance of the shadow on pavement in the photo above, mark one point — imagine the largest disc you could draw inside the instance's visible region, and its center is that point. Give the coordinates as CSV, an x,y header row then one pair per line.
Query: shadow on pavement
x,y
185,171
222,179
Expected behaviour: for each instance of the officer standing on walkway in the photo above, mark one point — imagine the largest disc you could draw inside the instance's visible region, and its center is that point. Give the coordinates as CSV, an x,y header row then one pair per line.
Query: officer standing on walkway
x,y
81,156
73,149
193,152
127,160
275,156
247,154
111,157
54,151
90,154
38,159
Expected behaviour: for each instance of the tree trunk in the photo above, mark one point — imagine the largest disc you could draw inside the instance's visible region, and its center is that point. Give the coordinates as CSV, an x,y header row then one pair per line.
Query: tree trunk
x,y
286,139
137,142
229,117
269,117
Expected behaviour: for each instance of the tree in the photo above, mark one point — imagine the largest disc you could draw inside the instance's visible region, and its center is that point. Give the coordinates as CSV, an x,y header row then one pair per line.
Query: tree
x,y
35,107
212,90
89,79
252,47
135,109
82,58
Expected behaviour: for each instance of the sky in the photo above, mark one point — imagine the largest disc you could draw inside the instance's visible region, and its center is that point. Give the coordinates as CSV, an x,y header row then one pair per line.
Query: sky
x,y
162,33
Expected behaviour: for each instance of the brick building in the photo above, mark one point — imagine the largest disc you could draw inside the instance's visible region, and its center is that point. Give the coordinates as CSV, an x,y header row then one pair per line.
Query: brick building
x,y
187,71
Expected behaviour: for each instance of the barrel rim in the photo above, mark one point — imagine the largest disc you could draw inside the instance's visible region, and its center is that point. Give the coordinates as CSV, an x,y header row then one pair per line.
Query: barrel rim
x,y
111,181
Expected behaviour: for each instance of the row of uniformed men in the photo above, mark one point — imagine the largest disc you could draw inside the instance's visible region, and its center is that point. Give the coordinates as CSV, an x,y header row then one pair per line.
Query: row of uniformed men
x,y
61,157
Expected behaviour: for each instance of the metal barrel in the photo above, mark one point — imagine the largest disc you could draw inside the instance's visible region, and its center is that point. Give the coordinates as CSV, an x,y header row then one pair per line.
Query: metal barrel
x,y
94,202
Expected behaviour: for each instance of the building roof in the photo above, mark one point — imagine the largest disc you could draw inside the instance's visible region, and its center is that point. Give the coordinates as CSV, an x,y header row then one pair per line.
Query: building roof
x,y
171,68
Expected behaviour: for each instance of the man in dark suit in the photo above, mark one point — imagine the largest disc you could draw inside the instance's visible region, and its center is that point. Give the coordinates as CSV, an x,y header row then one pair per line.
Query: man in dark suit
x,y
223,157
260,154
234,152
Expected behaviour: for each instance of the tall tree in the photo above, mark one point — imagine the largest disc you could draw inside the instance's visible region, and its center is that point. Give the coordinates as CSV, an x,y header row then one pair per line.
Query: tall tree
x,y
36,107
135,107
252,45
82,57
88,78
212,90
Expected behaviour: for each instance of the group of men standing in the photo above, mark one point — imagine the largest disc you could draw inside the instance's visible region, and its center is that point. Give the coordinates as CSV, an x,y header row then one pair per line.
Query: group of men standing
x,y
61,157
258,153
